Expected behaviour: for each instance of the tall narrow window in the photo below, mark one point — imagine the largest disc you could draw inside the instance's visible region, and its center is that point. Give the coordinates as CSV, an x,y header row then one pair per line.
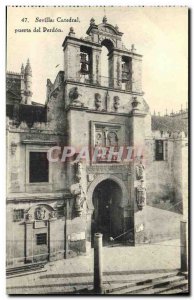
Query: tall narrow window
x,y
85,65
104,67
126,84
159,150
39,167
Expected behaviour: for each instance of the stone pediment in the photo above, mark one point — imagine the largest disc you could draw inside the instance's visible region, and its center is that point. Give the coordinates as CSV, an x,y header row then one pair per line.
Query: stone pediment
x,y
103,28
108,28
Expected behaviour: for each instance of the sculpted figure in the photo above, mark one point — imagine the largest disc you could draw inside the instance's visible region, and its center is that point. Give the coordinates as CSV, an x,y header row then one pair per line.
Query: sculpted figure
x,y
112,139
116,103
74,95
140,171
98,101
79,171
80,197
141,197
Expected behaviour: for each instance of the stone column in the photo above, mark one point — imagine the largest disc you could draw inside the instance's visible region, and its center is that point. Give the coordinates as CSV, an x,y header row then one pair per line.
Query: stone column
x,y
96,66
184,248
71,62
98,282
115,70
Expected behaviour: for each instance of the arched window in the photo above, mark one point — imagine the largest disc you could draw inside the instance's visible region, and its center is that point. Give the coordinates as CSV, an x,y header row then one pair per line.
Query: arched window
x,y
106,63
104,67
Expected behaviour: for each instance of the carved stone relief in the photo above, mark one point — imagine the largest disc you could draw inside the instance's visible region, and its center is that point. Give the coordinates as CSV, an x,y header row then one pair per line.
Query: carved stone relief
x,y
40,213
116,103
77,190
112,139
140,188
74,97
98,101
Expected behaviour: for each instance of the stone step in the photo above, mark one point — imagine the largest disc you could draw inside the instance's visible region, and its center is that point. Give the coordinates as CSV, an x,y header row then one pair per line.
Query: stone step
x,y
24,273
140,287
179,283
24,268
142,282
170,288
183,290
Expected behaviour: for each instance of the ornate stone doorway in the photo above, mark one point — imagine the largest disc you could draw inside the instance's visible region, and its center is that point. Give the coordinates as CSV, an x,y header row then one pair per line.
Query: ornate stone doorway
x,y
107,214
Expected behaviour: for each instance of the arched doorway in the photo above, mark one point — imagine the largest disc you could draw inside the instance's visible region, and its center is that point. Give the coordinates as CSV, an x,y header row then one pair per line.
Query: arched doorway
x,y
107,214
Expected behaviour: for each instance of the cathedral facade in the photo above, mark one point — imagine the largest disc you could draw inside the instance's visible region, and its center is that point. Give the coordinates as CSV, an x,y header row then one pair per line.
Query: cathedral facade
x,y
93,158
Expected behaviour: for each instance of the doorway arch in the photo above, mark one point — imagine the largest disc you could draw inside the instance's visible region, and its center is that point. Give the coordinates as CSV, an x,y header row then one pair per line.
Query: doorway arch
x,y
107,214
100,178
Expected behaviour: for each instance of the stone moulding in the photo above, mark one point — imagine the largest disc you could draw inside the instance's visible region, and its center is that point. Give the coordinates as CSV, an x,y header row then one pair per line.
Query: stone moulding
x,y
38,142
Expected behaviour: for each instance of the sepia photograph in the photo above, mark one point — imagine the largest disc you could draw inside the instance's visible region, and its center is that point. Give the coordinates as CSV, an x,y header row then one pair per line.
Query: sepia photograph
x,y
97,186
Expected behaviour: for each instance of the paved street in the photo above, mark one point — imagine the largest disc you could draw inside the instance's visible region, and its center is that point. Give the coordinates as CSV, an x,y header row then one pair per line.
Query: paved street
x,y
121,264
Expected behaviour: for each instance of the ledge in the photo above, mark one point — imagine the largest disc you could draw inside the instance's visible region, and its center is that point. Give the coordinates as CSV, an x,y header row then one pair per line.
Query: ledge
x,y
38,142
26,197
100,87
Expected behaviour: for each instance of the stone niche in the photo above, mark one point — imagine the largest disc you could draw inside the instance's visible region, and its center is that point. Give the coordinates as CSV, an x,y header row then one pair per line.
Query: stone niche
x,y
44,234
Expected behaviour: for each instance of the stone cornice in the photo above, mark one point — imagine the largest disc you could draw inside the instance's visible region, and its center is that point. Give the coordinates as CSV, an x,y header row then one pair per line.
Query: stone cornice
x,y
37,197
70,39
99,87
38,142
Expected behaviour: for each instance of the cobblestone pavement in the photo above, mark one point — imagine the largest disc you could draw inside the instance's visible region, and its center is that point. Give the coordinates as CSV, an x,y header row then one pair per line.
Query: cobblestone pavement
x,y
121,264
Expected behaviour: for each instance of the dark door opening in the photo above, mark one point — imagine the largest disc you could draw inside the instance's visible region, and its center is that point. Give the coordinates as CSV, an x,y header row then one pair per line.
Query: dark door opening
x,y
107,217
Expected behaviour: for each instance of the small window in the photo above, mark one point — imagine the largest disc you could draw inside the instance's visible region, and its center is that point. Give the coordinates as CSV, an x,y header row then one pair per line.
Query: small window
x,y
18,215
60,211
159,150
39,167
41,239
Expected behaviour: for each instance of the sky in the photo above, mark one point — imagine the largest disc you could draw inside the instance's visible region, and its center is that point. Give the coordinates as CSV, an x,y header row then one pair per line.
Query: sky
x,y
159,34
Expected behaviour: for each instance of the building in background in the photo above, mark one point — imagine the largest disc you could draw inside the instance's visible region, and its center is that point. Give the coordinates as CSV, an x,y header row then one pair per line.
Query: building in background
x,y
54,208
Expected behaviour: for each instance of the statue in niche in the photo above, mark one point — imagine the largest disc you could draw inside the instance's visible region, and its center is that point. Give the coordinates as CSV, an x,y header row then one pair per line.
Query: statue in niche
x,y
140,171
40,213
98,101
73,96
116,103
